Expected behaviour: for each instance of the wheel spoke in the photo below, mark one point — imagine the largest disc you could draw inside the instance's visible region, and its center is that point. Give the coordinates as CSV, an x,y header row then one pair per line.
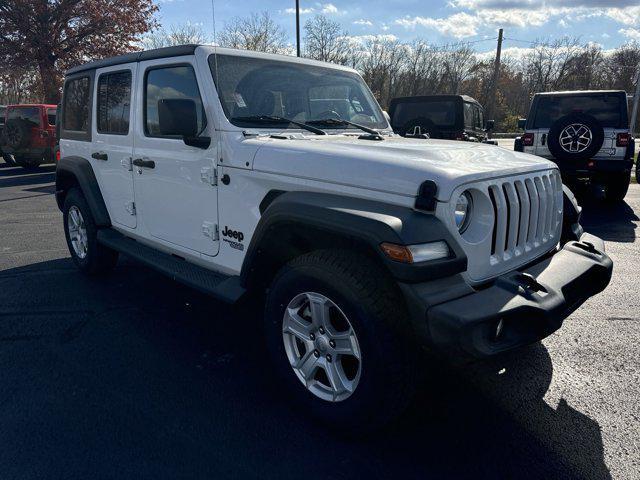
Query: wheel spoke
x,y
307,366
345,344
319,310
338,380
297,326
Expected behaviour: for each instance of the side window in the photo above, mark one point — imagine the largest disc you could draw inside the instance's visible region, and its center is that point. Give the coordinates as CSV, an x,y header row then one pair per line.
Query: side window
x,y
468,115
51,116
170,83
76,105
114,101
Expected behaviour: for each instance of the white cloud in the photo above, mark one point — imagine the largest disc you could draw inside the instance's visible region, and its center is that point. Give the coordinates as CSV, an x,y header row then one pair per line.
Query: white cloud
x,y
329,8
303,11
632,33
626,16
459,25
363,22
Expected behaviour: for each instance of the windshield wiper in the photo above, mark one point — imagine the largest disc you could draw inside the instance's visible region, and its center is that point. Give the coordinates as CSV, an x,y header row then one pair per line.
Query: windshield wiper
x,y
337,122
277,120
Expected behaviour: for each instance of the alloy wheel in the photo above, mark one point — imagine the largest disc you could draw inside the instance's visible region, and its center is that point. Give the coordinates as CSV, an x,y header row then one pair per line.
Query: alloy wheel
x,y
77,232
322,346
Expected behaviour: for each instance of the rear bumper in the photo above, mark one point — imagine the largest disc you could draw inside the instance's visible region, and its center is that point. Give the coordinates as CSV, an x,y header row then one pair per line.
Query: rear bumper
x,y
529,304
593,169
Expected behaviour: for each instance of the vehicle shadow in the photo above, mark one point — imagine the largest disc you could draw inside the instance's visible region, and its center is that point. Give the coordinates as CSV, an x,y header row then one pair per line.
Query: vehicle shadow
x,y
17,176
611,222
154,379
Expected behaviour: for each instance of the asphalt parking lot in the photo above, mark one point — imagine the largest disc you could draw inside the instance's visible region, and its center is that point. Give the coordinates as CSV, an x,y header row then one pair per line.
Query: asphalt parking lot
x,y
135,376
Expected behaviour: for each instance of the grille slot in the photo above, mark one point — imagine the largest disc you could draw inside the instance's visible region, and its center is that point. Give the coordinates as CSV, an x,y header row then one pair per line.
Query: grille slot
x,y
527,215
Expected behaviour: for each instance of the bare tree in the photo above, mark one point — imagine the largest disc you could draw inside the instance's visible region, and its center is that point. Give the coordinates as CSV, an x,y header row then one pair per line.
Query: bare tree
x,y
324,40
256,32
184,34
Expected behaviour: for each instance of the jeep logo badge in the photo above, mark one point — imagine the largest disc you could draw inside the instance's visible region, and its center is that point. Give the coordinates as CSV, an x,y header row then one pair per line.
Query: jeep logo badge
x,y
239,236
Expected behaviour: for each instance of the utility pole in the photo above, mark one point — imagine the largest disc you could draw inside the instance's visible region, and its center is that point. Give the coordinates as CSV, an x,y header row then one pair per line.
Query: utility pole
x,y
636,100
496,76
298,26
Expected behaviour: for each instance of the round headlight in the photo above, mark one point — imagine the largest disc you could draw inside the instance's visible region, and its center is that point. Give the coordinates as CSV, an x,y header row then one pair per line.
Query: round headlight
x,y
462,212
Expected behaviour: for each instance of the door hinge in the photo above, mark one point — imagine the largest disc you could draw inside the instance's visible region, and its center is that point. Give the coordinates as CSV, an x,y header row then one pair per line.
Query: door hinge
x,y
209,175
210,229
126,163
131,208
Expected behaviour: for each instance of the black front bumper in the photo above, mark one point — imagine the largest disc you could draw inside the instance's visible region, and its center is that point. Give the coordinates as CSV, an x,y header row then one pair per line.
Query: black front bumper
x,y
529,304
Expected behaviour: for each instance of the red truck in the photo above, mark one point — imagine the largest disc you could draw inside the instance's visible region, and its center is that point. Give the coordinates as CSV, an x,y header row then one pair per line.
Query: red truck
x,y
28,138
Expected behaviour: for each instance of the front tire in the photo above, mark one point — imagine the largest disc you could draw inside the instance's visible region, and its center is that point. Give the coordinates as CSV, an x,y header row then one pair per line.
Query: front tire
x,y
335,328
8,159
81,233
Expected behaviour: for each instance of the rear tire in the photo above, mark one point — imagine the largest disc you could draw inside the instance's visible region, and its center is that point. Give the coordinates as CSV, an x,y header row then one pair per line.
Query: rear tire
x,y
382,380
28,163
81,233
616,187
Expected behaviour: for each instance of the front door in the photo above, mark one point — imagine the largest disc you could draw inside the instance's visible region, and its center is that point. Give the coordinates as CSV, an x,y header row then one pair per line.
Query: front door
x,y
175,196
113,141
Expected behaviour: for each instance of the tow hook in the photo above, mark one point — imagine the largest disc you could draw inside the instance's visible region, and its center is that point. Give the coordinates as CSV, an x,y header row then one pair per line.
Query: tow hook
x,y
587,247
529,282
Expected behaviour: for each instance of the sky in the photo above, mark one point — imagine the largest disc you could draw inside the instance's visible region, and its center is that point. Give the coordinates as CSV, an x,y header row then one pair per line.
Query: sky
x,y
609,23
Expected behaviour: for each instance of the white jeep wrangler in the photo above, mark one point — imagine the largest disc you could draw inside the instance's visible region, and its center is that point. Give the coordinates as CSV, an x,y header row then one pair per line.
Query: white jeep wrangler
x,y
238,172
586,133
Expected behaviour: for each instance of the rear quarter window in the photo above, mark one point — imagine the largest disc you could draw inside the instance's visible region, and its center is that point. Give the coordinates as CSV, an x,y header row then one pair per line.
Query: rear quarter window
x,y
76,105
609,109
51,116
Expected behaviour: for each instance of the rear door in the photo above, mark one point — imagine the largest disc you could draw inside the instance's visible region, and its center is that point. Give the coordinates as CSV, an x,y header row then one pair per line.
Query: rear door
x,y
176,196
113,140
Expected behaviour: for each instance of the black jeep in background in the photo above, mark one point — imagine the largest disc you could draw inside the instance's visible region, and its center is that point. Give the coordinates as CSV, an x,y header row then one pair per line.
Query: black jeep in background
x,y
449,117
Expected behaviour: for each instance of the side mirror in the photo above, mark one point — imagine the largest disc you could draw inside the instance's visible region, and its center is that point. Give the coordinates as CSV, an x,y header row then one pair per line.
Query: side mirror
x,y
490,125
178,117
522,122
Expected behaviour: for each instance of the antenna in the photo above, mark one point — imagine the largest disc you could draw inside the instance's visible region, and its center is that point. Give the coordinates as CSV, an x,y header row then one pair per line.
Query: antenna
x,y
215,43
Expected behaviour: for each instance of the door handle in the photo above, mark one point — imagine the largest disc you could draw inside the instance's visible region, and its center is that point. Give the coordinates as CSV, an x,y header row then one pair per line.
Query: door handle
x,y
141,162
100,156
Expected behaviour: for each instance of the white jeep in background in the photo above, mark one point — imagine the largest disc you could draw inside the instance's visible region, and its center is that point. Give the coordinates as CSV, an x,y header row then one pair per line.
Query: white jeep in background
x,y
586,133
240,173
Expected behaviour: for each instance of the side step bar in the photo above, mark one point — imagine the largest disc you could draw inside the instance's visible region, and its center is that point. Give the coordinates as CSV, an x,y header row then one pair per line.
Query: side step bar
x,y
222,287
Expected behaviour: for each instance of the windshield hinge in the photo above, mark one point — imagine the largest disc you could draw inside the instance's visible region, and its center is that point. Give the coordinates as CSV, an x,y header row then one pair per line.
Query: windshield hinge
x,y
210,229
130,207
209,175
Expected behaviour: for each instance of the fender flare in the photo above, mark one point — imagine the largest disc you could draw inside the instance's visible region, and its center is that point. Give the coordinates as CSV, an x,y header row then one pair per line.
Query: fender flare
x,y
323,220
77,171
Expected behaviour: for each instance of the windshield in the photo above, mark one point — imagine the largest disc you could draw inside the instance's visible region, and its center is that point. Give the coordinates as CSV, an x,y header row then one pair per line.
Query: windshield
x,y
609,109
441,113
254,87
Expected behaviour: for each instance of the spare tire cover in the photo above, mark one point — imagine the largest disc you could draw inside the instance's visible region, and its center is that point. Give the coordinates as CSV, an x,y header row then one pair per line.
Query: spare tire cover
x,y
17,133
575,136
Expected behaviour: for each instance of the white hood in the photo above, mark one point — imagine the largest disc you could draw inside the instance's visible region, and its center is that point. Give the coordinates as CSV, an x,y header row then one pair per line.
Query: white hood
x,y
396,165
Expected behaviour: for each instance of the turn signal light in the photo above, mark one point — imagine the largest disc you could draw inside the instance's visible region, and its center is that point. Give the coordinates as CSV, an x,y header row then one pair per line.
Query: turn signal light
x,y
416,253
623,140
527,139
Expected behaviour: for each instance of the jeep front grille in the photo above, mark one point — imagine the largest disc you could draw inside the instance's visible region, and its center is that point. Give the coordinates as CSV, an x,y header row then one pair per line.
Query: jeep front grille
x,y
526,214
517,219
